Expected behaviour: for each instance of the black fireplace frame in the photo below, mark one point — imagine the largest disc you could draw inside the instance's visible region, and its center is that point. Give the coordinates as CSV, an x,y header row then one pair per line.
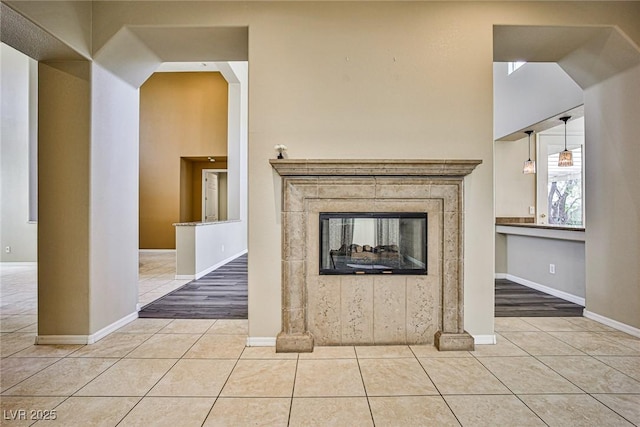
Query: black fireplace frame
x,y
323,216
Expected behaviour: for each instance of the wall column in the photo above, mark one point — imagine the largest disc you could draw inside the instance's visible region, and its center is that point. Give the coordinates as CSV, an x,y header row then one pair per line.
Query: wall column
x,y
88,203
64,133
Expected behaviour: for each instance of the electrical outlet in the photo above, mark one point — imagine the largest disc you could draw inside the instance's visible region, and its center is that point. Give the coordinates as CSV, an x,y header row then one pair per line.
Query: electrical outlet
x,y
7,249
552,268
532,210
222,249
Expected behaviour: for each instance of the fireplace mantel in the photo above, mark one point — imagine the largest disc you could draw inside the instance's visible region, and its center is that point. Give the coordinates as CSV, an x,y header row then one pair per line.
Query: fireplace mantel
x,y
368,167
351,310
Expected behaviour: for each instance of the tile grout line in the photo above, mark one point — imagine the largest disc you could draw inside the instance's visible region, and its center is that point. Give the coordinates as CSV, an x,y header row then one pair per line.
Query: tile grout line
x,y
435,386
161,377
611,409
140,398
224,384
293,389
364,386
584,392
506,386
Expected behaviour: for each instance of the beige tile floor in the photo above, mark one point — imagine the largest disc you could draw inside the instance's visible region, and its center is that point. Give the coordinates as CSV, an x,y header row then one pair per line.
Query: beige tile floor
x,y
156,372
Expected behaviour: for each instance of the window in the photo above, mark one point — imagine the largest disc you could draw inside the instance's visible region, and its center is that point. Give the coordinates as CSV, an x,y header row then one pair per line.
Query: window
x,y
564,190
561,189
512,66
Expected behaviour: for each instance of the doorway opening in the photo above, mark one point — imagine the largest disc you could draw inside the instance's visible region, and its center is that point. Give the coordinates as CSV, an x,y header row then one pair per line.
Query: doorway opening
x,y
214,195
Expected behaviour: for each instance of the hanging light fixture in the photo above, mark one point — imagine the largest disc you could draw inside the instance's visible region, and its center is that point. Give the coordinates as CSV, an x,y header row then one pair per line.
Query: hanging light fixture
x,y
529,165
566,157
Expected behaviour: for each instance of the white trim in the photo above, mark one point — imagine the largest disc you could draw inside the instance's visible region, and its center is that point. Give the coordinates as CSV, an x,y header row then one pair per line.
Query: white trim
x,y
547,290
138,306
484,339
613,323
18,264
261,341
112,327
62,339
210,269
501,276
86,339
156,250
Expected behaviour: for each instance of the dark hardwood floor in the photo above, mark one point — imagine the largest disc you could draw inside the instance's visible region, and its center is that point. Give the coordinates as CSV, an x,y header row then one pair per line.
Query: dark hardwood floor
x,y
221,294
515,300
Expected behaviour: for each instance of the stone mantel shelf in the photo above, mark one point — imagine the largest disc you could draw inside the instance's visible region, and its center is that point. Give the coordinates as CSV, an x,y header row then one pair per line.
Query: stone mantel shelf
x,y
369,167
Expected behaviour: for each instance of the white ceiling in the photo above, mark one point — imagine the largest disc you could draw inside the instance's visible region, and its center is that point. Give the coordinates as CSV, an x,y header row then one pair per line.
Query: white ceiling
x,y
177,67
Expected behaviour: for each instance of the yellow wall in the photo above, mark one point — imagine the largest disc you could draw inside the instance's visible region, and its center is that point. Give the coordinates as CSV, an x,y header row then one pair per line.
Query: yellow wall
x,y
181,114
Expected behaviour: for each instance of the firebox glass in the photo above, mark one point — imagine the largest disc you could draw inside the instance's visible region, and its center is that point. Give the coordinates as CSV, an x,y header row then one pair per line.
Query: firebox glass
x,y
373,243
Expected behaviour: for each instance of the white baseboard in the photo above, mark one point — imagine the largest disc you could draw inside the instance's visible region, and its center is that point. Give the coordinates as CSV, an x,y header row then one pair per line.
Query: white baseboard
x,y
501,275
613,323
210,269
261,341
156,250
547,290
86,339
62,339
18,264
484,339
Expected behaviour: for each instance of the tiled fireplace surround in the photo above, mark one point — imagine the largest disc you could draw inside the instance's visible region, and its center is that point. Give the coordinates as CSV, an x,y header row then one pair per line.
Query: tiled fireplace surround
x,y
372,309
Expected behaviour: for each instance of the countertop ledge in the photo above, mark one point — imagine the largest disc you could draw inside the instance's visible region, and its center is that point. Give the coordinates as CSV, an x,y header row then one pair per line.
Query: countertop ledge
x,y
199,223
541,226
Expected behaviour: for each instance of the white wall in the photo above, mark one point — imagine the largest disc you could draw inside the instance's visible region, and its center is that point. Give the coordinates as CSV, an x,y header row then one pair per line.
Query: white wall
x,y
114,199
15,133
531,94
201,248
237,74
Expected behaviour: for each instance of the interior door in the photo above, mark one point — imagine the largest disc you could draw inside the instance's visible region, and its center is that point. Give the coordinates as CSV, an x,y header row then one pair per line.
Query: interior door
x,y
210,202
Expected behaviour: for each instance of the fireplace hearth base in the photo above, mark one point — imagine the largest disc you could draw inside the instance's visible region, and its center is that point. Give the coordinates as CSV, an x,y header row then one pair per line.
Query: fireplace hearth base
x,y
294,343
453,342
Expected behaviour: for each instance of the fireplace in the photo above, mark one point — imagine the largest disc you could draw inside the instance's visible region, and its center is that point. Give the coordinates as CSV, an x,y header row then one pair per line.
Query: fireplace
x,y
320,307
373,243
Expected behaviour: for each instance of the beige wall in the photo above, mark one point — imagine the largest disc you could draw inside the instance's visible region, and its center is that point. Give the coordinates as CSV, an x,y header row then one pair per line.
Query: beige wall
x,y
613,198
181,114
515,191
64,184
390,80
372,80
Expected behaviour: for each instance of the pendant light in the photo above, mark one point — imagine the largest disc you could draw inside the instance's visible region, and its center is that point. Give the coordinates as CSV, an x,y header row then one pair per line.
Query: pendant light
x,y
529,165
566,157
